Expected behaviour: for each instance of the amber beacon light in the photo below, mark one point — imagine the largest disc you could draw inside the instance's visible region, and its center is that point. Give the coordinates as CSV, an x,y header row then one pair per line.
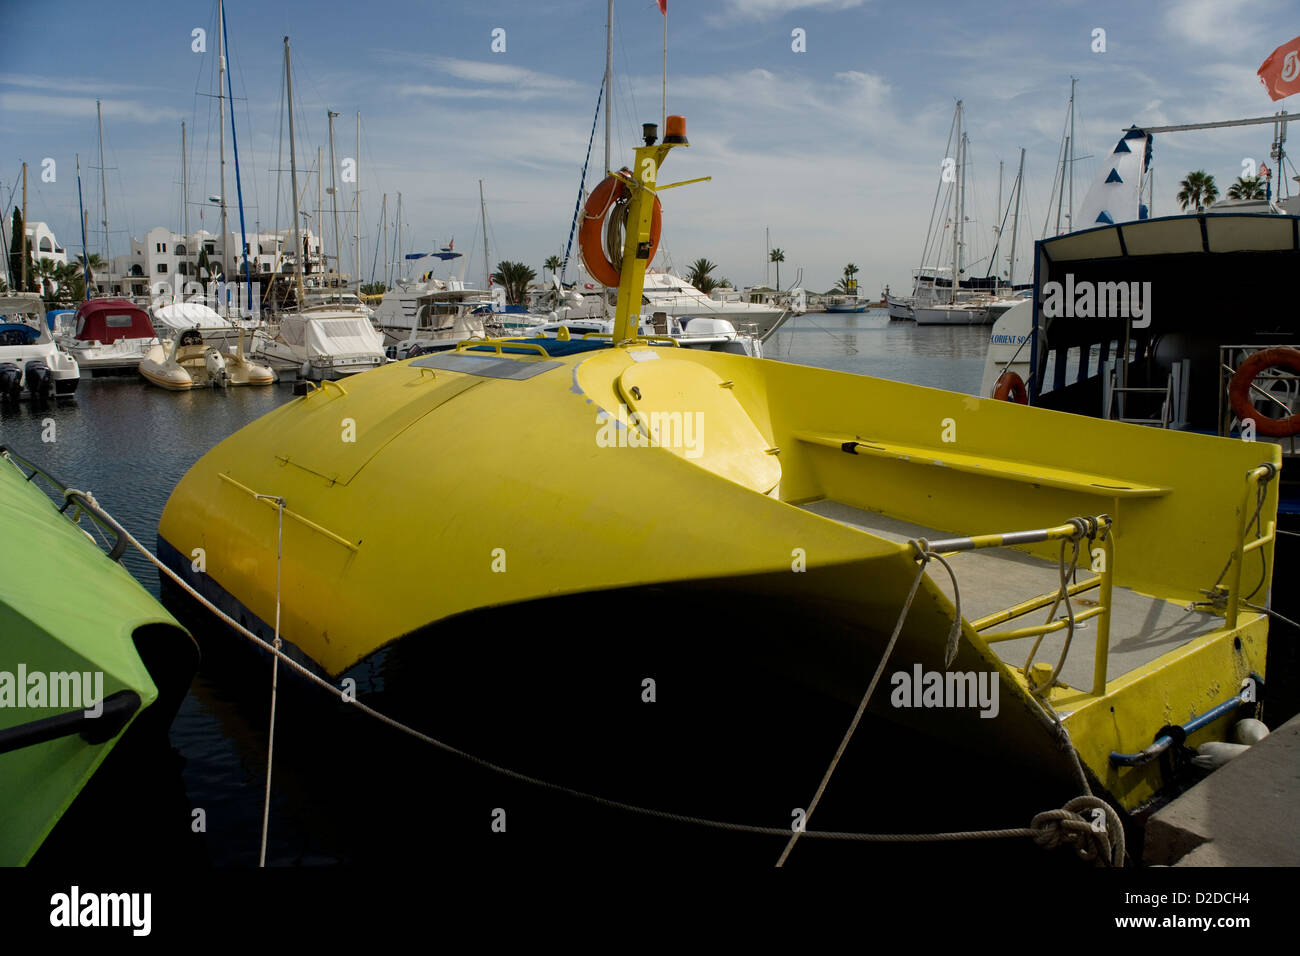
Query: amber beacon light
x,y
675,131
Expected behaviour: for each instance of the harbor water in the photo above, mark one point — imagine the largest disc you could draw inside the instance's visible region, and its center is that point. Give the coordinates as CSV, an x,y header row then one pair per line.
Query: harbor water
x,y
724,740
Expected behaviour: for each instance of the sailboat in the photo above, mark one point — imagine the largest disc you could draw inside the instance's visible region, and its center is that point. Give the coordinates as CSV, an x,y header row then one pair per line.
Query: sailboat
x,y
961,308
328,335
655,476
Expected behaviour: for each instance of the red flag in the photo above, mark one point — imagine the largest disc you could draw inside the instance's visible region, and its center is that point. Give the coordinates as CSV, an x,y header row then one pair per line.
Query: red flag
x,y
663,7
1280,73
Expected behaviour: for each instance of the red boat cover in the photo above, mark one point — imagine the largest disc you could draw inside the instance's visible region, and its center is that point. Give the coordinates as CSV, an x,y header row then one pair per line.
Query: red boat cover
x,y
107,320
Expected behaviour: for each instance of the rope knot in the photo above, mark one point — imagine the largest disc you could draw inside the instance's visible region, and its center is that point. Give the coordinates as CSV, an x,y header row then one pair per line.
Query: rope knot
x,y
1089,824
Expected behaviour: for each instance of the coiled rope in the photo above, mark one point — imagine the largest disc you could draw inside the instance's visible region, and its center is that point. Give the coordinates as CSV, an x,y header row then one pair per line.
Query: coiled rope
x,y
1101,842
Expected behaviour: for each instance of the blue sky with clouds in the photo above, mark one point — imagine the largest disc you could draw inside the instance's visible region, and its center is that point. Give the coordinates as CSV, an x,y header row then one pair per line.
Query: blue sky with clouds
x,y
837,149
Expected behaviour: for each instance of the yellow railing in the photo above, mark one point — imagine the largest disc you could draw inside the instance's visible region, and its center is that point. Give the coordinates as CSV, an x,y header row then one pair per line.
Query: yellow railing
x,y
1080,530
1256,481
499,345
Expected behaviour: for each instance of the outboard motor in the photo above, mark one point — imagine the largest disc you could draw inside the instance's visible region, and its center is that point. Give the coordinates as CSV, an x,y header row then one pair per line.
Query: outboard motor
x,y
216,366
40,383
11,382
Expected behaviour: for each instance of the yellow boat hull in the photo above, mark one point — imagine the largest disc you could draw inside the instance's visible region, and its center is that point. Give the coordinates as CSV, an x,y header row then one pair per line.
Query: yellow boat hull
x,y
470,480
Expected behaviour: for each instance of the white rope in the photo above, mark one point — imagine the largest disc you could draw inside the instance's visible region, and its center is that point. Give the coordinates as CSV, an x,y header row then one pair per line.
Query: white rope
x,y
923,557
275,668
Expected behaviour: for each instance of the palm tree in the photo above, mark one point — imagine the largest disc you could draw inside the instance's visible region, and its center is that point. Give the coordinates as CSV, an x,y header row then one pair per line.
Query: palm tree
x,y
93,263
515,276
847,284
45,272
1197,190
697,274
777,256
553,263
1247,187
72,284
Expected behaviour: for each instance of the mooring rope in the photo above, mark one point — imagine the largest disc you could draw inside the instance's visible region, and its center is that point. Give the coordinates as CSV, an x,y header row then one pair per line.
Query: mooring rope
x,y
1052,828
1065,575
275,668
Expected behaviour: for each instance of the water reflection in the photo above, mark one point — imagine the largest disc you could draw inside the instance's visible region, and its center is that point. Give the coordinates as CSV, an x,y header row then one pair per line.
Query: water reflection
x,y
868,343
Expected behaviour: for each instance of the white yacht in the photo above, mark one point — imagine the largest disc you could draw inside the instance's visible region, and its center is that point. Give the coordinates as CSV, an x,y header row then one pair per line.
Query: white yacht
x,y
674,296
693,332
110,336
429,311
173,320
30,361
974,311
330,337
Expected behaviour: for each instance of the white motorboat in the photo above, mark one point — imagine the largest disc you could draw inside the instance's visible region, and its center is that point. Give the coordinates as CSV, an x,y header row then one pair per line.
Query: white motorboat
x,y
971,312
110,337
170,321
325,340
30,361
187,362
675,297
692,332
899,308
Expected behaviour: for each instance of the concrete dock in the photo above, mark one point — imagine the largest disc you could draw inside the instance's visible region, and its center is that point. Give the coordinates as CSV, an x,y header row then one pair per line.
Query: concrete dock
x,y
1246,813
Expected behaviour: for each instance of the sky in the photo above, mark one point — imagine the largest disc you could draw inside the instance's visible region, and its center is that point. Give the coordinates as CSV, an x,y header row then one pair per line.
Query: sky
x,y
834,149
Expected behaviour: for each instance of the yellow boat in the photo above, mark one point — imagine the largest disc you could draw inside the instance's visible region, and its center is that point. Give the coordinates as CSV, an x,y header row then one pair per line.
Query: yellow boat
x,y
566,467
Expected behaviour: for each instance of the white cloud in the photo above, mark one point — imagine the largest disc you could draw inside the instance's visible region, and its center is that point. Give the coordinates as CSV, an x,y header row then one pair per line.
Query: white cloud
x,y
766,9
66,85
480,72
1228,26
467,93
84,108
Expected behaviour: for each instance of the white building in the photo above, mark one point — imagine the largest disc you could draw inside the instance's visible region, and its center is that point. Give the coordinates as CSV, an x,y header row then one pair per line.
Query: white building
x,y
162,255
44,244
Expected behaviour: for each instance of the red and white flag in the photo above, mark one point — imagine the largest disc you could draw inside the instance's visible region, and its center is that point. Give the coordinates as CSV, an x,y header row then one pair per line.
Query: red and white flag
x,y
1280,73
663,7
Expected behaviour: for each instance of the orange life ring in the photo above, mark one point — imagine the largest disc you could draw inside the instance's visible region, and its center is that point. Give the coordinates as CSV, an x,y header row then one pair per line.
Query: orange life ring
x,y
600,203
1010,387
1239,391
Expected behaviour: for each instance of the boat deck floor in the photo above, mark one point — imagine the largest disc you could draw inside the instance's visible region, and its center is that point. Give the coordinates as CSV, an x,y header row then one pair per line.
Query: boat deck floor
x,y
1142,628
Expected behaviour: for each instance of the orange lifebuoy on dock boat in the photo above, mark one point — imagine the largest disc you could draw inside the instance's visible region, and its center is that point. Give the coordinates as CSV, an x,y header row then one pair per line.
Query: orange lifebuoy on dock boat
x,y
600,205
1010,387
1240,385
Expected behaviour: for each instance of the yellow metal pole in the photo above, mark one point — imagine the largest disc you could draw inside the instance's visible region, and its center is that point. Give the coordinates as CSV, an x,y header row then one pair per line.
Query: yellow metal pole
x,y
636,245
1101,655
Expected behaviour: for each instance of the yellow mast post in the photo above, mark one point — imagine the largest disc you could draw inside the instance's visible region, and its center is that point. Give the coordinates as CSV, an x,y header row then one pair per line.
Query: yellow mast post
x,y
643,187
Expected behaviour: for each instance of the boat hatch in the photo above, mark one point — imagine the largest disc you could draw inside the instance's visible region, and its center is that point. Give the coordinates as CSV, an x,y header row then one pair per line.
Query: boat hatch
x,y
686,408
377,421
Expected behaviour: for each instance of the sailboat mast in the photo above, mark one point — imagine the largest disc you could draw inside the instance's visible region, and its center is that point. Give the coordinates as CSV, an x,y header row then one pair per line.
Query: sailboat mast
x,y
609,76
1015,221
221,123
85,256
956,216
22,238
487,261
185,198
961,220
1069,213
357,199
383,215
397,241
334,198
320,200
103,187
293,179
997,223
